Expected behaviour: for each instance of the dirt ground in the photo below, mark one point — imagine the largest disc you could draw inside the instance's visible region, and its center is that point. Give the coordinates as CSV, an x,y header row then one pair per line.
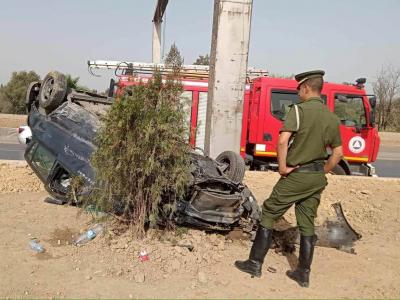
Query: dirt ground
x,y
109,267
390,138
12,121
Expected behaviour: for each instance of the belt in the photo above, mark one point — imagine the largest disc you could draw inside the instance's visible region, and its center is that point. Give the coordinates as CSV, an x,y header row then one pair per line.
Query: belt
x,y
311,167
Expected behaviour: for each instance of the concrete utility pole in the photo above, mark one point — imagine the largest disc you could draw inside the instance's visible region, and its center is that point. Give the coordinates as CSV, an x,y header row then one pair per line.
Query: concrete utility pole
x,y
228,65
157,20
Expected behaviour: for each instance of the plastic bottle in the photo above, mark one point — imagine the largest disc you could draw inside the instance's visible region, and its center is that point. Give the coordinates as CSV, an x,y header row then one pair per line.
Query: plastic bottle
x,y
89,235
35,246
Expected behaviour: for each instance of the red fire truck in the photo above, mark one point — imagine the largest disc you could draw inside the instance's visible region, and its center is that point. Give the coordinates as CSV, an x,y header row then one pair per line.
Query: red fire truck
x,y
266,103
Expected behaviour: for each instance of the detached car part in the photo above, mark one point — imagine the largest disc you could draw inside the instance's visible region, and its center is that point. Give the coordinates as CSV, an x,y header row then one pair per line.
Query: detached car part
x,y
333,233
337,233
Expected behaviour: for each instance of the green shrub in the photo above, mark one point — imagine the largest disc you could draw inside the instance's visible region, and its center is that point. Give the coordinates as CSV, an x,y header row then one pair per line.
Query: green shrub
x,y
142,160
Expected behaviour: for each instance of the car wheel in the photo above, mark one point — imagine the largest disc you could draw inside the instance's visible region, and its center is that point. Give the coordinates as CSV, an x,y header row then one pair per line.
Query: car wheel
x,y
338,170
53,91
31,94
234,165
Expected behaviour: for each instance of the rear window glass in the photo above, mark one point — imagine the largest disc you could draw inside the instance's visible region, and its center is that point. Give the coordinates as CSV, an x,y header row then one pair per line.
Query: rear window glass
x,y
281,101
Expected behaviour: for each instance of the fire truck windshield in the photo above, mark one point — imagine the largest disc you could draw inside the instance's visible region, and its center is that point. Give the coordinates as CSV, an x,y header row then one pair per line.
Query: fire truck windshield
x,y
281,101
350,110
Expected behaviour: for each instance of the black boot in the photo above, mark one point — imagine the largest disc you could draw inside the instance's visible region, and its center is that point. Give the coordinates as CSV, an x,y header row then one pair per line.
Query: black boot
x,y
260,247
302,273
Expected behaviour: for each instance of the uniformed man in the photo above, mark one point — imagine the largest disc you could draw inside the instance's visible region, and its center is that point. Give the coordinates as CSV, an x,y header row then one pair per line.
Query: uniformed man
x,y
307,131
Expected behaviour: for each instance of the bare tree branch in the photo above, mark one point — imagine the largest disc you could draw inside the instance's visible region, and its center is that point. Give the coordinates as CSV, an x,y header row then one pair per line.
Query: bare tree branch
x,y
387,89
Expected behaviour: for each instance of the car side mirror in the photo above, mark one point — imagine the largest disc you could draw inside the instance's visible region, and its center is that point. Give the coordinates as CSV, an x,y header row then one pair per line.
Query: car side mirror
x,y
111,88
372,117
372,101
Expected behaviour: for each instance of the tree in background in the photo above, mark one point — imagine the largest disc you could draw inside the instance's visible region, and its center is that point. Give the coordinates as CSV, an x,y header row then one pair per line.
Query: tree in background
x,y
12,95
203,60
72,82
387,91
395,123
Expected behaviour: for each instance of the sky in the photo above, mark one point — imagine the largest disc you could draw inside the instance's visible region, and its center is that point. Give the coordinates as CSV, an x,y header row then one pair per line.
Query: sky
x,y
346,38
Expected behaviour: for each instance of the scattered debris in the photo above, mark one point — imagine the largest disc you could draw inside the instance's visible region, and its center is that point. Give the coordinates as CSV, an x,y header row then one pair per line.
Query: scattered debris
x,y
335,232
365,192
89,235
185,244
143,256
52,200
35,246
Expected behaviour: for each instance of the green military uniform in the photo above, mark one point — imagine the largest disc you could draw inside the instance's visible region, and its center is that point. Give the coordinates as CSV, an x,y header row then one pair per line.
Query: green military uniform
x,y
314,127
318,129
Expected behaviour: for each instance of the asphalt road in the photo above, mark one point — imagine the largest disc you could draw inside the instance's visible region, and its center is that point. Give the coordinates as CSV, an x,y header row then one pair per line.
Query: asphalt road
x,y
387,165
11,151
388,162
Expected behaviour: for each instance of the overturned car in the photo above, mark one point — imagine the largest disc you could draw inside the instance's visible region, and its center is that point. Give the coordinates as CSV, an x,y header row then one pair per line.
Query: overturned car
x,y
64,123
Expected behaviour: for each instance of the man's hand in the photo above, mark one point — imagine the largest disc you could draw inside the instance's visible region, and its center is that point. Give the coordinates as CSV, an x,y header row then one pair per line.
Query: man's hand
x,y
337,154
283,141
285,171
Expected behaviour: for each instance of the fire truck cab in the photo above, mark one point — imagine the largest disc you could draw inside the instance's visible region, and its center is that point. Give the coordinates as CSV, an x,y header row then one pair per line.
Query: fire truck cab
x,y
267,103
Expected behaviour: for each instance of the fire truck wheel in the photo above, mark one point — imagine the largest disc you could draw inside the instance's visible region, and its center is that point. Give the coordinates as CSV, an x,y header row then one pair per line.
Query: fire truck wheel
x,y
338,170
52,91
235,166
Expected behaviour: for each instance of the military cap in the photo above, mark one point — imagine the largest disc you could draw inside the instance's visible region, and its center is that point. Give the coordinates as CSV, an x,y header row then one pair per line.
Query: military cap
x,y
303,77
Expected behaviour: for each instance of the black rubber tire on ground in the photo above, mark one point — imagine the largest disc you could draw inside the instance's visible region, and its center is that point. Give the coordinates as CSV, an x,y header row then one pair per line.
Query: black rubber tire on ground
x,y
338,170
52,91
31,94
236,166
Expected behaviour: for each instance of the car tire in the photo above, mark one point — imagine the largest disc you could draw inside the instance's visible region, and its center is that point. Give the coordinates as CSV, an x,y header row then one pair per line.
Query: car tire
x,y
52,91
338,170
31,94
236,166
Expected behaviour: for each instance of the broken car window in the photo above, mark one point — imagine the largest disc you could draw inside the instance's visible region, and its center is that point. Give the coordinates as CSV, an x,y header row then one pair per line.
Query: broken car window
x,y
43,160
